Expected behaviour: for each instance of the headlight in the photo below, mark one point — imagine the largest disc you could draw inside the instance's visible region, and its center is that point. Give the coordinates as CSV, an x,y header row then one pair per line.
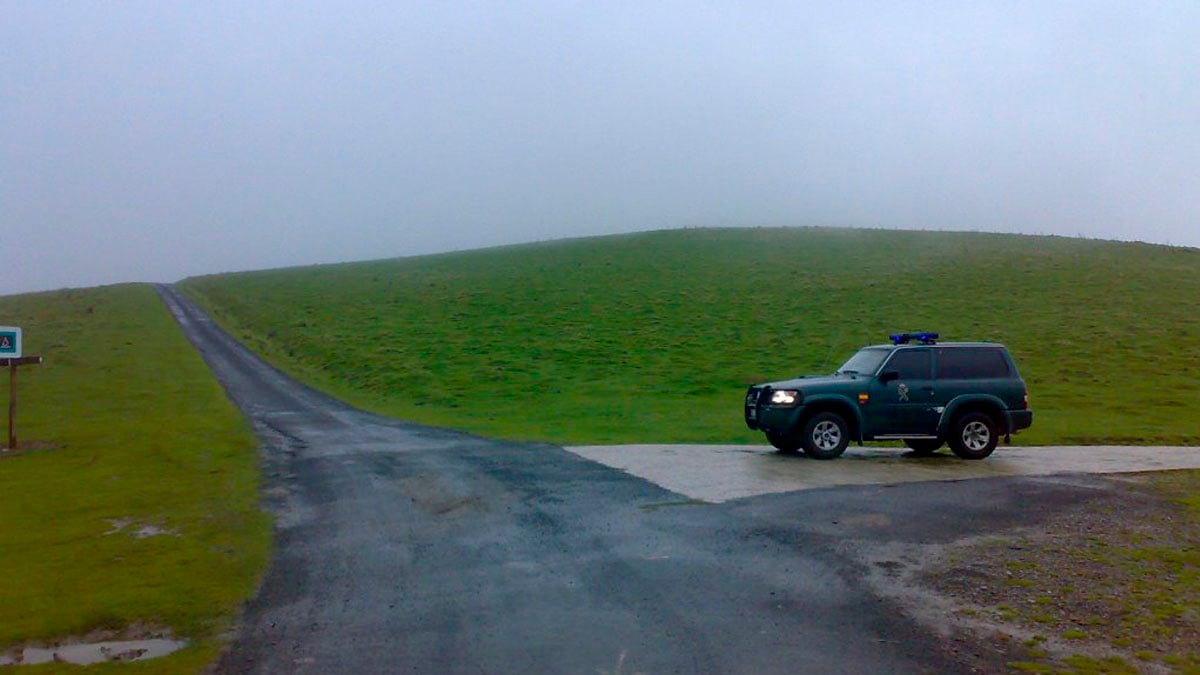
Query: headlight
x,y
785,397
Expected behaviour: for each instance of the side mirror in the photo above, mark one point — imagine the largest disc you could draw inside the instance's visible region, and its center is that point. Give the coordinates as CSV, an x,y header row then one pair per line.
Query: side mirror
x,y
889,376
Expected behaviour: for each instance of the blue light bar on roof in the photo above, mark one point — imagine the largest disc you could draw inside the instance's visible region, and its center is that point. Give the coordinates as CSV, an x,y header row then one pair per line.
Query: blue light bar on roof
x,y
924,338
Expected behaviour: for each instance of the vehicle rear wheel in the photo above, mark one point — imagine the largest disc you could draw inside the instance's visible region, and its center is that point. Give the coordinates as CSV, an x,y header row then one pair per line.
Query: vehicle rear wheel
x,y
974,436
788,445
923,447
825,436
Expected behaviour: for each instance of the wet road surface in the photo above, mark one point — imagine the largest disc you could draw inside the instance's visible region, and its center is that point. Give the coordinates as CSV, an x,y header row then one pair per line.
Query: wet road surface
x,y
403,548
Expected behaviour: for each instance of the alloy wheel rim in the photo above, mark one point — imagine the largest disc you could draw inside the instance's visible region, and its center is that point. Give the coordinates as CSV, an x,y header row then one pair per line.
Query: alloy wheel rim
x,y
976,436
827,435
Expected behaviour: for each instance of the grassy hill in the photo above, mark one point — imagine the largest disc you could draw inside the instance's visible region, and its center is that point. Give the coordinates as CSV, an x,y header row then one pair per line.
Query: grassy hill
x,y
653,337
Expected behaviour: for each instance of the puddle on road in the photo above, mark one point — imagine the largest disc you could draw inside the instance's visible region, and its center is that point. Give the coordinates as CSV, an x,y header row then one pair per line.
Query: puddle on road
x,y
94,652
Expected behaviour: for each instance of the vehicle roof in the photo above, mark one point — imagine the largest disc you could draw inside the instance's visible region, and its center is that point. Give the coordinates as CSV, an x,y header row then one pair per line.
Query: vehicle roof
x,y
937,344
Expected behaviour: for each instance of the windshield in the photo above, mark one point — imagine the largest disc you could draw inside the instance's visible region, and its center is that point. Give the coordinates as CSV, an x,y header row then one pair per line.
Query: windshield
x,y
866,361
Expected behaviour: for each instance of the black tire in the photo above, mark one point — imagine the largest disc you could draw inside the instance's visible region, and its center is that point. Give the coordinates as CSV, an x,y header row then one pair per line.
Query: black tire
x,y
788,445
825,436
974,436
923,447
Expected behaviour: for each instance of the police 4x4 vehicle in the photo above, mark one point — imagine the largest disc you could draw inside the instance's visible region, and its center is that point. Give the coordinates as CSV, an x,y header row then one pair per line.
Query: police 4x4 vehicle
x,y
916,389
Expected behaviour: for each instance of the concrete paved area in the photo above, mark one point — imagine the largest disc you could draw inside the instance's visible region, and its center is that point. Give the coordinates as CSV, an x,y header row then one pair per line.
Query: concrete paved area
x,y
718,473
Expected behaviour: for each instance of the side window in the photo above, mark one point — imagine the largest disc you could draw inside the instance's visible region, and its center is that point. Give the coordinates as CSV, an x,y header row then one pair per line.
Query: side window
x,y
971,363
912,364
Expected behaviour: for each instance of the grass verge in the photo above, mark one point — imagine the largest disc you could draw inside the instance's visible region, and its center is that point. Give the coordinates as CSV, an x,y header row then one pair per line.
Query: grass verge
x,y
653,337
1110,589
127,434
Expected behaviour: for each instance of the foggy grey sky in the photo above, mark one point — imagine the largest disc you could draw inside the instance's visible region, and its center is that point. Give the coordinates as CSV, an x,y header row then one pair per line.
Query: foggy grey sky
x,y
149,141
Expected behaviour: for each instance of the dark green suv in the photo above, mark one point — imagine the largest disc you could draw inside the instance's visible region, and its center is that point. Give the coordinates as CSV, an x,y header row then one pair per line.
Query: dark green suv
x,y
916,389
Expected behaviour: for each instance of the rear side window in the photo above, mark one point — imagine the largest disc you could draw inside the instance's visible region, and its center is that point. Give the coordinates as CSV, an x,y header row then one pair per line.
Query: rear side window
x,y
971,363
912,364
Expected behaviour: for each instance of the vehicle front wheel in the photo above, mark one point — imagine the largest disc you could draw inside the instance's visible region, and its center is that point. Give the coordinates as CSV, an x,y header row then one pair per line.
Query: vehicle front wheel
x,y
974,436
923,447
789,445
825,436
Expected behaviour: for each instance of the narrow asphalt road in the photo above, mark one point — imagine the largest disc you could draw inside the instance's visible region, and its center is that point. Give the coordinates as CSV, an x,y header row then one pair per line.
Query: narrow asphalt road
x,y
403,548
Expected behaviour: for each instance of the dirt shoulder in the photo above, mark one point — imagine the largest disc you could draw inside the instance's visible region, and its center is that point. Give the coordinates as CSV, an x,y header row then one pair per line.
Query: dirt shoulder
x,y
1111,586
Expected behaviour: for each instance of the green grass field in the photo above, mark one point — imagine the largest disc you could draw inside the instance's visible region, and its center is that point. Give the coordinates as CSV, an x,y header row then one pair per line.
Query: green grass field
x,y
123,427
652,337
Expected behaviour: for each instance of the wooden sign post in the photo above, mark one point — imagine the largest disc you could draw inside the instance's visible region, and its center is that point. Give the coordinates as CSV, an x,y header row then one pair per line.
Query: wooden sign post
x,y
10,355
12,393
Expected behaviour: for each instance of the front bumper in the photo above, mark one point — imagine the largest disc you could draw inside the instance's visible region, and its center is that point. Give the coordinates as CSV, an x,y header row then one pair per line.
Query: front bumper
x,y
761,415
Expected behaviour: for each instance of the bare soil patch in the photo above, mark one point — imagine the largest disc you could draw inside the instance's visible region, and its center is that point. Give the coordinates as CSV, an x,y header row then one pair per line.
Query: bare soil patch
x,y
26,447
1111,587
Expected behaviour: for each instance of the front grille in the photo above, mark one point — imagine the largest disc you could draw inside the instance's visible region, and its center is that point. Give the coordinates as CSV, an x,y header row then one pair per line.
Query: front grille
x,y
757,395
753,397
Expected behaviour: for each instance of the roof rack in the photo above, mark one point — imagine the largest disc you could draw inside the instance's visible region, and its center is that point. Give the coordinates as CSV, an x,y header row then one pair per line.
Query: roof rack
x,y
925,338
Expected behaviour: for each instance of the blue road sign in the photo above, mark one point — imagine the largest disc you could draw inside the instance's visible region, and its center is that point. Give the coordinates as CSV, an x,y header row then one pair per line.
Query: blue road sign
x,y
10,342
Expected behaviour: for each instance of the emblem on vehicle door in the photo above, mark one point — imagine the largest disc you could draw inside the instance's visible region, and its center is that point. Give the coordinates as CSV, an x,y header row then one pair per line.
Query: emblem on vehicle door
x,y
903,389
